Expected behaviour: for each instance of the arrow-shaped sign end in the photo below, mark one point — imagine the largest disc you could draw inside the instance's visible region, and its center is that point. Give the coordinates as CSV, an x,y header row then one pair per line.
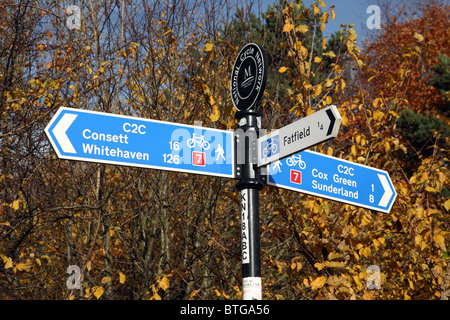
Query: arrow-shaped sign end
x,y
388,192
60,132
335,121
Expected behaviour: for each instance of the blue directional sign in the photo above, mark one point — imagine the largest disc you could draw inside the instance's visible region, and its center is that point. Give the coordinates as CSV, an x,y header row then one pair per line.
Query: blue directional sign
x,y
115,139
333,178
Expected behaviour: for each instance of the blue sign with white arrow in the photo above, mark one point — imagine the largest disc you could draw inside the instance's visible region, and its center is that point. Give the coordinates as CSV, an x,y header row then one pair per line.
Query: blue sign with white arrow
x,y
333,178
115,139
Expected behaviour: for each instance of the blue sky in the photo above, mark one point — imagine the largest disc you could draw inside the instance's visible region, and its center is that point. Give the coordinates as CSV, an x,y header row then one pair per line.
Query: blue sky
x,y
347,11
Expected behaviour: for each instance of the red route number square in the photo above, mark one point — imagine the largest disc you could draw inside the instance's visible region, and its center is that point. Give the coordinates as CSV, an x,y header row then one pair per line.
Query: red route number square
x,y
296,176
198,159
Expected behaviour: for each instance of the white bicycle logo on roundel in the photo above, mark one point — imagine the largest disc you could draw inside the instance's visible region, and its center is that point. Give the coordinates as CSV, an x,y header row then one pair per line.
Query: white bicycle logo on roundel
x,y
294,160
199,140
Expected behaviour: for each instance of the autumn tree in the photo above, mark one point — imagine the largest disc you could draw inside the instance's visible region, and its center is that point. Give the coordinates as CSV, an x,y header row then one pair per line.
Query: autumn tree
x,y
149,234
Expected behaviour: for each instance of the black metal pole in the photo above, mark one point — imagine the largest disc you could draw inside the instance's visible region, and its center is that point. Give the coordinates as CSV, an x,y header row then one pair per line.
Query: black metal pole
x,y
248,80
249,185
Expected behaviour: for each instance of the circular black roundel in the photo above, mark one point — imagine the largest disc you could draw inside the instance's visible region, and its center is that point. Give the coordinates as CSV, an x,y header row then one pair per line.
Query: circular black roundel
x,y
249,76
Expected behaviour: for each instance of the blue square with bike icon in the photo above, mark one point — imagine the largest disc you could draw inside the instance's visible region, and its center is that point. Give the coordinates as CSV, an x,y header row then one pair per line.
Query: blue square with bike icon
x,y
270,147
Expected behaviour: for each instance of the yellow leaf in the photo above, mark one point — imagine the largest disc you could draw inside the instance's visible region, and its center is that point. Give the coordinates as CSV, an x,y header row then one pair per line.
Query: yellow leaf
x,y
305,282
209,46
330,54
353,149
334,281
164,283
334,255
106,280
343,84
367,252
377,102
440,241
336,264
282,69
447,205
8,262
317,90
304,52
377,115
319,266
98,292
121,72
442,177
303,28
16,204
316,10
214,117
358,283
21,266
309,111
330,151
286,10
324,43
376,244
333,14
288,27
439,238
430,189
122,278
418,240
322,26
155,297
194,293
317,59
318,283
344,120
387,146
418,37
46,258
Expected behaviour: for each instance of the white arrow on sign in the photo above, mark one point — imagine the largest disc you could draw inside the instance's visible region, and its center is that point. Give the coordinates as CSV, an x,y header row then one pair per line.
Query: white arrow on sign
x,y
387,191
304,133
60,132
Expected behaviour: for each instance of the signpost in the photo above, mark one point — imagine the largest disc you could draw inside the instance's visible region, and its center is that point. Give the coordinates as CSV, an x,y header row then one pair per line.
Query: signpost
x,y
114,139
335,179
247,86
304,133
